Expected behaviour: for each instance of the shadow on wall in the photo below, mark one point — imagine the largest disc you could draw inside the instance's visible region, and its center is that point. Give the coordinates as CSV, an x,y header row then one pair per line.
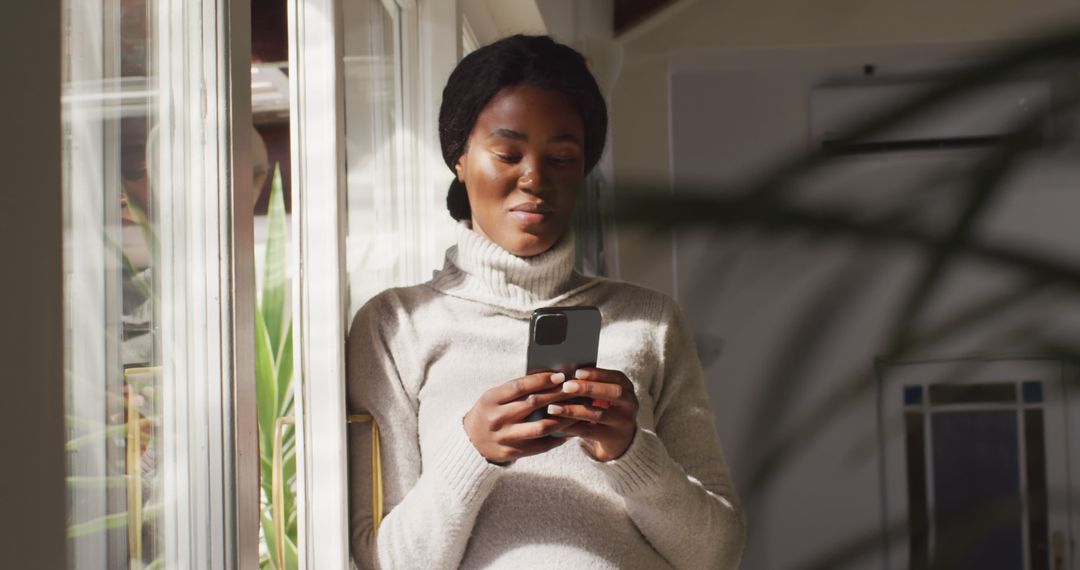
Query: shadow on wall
x,y
968,458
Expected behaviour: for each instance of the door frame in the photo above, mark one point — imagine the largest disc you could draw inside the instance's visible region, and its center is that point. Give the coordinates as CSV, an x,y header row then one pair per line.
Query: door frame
x,y
1058,391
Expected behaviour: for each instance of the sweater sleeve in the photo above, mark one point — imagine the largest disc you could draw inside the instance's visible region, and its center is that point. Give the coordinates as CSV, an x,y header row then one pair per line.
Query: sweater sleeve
x,y
674,480
430,503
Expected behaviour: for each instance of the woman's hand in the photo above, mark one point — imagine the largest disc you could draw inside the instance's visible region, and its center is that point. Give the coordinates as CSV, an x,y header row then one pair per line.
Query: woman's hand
x,y
495,426
606,427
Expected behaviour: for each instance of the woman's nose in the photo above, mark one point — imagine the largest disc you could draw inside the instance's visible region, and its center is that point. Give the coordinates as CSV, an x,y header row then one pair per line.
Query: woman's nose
x,y
532,176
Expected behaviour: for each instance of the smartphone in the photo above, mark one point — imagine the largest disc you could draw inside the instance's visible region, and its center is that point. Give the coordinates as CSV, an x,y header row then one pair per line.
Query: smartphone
x,y
562,339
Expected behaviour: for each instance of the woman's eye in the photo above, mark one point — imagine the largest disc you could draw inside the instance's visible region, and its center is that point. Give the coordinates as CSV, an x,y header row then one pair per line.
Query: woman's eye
x,y
507,157
563,159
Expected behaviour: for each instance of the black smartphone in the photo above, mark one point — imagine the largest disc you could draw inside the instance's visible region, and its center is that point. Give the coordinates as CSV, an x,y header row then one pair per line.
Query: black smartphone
x,y
562,339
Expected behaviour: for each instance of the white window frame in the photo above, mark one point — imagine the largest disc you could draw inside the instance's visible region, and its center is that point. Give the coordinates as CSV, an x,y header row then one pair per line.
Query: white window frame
x,y
205,48
316,124
430,46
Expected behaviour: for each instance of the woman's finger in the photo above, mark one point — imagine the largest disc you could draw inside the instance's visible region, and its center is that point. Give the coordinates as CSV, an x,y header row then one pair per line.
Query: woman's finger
x,y
523,386
604,375
602,404
514,411
594,389
612,378
513,434
586,430
579,412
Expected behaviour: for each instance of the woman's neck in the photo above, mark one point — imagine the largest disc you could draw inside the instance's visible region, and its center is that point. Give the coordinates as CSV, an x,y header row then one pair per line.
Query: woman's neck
x,y
509,276
480,270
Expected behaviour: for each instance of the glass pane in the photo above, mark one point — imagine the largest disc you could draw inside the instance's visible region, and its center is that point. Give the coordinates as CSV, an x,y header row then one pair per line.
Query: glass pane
x,y
397,226
114,434
147,387
976,477
376,248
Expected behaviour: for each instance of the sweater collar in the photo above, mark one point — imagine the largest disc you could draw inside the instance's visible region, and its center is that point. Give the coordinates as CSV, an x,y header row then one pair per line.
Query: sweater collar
x,y
478,269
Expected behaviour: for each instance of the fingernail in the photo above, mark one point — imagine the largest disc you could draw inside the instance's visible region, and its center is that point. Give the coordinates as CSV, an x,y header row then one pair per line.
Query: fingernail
x,y
581,374
555,410
571,387
557,377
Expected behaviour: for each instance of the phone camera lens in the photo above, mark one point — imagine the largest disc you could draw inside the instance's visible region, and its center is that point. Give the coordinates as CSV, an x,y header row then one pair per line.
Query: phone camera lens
x,y
551,329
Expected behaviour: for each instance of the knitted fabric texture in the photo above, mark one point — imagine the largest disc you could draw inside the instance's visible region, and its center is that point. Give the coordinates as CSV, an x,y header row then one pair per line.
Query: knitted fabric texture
x,y
419,358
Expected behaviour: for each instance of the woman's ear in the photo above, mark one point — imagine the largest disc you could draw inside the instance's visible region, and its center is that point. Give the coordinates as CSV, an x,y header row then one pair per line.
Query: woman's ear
x,y
459,167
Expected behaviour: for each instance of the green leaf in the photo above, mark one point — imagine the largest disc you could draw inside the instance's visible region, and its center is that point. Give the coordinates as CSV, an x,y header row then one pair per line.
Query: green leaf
x,y
287,406
291,553
97,482
288,475
115,520
285,373
111,431
266,388
270,533
275,275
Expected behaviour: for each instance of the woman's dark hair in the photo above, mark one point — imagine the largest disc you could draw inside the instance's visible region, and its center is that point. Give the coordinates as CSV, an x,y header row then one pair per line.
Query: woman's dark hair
x,y
538,61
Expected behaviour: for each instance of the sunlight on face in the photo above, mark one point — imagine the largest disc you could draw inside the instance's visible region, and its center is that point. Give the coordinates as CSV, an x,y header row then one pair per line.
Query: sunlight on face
x,y
522,168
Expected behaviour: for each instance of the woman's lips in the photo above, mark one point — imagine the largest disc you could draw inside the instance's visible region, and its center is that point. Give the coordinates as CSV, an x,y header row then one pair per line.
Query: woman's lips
x,y
530,213
527,217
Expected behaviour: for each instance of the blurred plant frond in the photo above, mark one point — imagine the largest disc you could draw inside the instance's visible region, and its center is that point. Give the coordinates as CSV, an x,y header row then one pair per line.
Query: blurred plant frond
x,y
1049,49
767,205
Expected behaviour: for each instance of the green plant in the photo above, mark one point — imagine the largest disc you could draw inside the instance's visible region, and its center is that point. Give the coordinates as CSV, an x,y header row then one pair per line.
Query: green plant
x,y
273,374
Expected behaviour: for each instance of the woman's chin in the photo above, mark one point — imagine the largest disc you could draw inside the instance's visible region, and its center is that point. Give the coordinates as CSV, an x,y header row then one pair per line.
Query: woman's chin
x,y
524,244
523,241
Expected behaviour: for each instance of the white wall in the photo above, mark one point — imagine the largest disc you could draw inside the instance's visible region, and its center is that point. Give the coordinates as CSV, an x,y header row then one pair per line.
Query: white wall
x,y
738,75
759,304
490,20
640,102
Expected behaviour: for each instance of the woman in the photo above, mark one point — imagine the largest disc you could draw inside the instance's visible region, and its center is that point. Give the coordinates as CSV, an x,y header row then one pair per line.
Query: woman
x,y
468,481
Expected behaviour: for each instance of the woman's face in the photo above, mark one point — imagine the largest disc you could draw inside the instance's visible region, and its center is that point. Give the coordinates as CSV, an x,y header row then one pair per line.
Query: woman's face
x,y
522,168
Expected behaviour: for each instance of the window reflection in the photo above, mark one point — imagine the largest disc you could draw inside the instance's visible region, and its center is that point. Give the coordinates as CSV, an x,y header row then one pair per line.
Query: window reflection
x,y
137,236
377,242
147,383
112,414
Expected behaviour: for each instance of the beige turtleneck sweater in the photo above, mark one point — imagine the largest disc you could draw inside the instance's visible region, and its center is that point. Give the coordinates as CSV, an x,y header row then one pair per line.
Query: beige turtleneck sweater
x,y
418,359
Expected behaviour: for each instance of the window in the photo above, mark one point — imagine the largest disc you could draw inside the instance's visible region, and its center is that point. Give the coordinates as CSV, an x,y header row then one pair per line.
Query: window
x,y
397,226
376,246
369,189
973,453
157,349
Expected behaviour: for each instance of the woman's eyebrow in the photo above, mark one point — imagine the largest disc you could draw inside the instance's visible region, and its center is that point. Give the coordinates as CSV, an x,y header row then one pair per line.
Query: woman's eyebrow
x,y
565,137
518,136
509,134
